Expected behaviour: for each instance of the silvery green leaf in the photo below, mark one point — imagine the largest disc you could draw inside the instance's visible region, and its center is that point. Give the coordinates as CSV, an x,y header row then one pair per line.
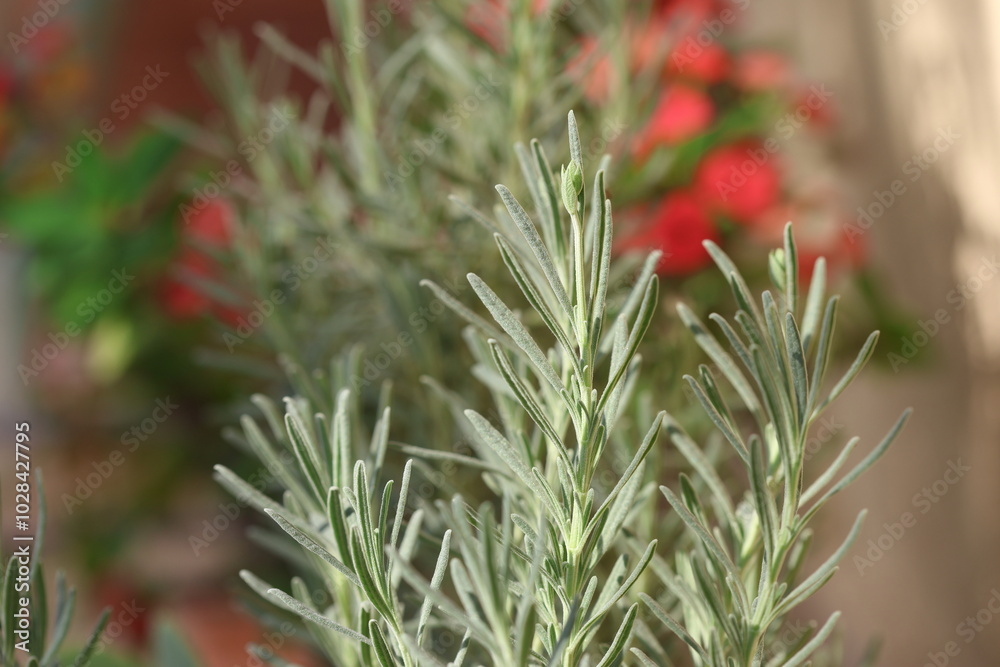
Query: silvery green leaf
x,y
305,451
830,472
310,615
462,311
791,272
738,285
701,465
814,304
865,463
435,585
643,658
797,367
313,546
397,522
535,299
823,350
509,323
674,626
804,654
859,363
538,249
642,322
714,548
716,353
510,456
87,653
817,579
548,190
604,605
243,491
621,638
723,424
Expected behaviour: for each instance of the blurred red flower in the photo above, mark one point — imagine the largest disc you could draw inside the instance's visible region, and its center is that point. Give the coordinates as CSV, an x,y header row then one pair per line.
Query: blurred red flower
x,y
681,113
6,84
210,224
206,227
488,19
690,14
761,71
739,180
677,225
689,58
593,70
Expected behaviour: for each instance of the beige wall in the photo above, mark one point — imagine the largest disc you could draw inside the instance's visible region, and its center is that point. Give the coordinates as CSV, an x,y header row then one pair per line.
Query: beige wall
x,y
895,89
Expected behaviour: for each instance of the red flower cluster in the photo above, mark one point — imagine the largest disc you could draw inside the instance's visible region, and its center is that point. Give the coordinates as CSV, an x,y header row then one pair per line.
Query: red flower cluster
x,y
677,226
488,20
209,227
738,181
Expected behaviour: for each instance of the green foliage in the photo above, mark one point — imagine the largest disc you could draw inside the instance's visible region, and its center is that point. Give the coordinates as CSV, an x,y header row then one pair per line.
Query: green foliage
x,y
550,568
44,643
97,219
741,578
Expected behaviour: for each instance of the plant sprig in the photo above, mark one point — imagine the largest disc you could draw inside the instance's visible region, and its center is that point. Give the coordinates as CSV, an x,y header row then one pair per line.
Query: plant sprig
x,y
739,582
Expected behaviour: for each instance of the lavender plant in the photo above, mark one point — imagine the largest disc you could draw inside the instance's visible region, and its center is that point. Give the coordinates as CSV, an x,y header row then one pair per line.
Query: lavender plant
x,y
551,567
741,578
30,639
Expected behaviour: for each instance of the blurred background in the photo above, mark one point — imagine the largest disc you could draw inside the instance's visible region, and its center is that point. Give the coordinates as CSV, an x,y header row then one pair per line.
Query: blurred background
x,y
124,269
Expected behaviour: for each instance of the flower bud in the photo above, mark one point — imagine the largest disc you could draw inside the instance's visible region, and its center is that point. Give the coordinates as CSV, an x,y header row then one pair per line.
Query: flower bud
x,y
776,267
572,186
